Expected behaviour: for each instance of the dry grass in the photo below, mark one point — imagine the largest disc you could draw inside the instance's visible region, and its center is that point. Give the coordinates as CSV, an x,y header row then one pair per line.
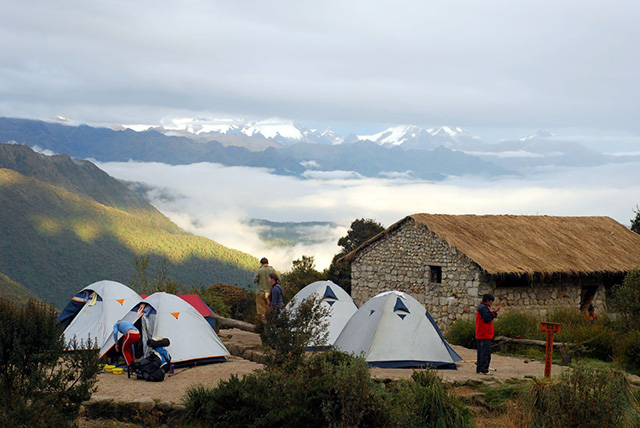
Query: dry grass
x,y
511,244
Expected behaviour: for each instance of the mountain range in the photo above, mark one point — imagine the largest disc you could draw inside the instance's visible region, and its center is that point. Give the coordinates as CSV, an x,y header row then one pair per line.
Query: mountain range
x,y
289,148
64,224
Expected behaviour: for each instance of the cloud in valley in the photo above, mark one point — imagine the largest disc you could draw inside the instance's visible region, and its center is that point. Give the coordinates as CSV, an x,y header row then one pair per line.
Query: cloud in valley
x,y
216,201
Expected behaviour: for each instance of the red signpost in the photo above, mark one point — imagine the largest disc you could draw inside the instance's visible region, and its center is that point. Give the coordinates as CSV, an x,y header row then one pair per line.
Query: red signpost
x,y
551,328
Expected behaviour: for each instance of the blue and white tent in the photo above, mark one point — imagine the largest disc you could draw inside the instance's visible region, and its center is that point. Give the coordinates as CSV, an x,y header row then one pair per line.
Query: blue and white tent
x,y
91,313
394,330
193,341
340,304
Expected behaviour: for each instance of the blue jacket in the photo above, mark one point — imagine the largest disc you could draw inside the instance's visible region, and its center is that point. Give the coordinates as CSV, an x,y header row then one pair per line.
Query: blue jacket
x,y
276,297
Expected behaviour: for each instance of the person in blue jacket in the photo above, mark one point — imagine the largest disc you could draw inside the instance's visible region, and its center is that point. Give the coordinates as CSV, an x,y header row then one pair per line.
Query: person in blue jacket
x,y
131,337
276,294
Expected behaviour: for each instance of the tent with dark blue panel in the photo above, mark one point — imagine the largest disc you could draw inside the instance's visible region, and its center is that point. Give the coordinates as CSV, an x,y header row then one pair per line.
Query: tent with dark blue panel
x,y
394,330
92,312
340,304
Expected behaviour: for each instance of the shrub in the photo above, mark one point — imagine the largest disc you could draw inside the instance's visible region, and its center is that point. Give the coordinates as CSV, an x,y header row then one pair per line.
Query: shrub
x,y
462,333
583,397
582,337
330,389
429,404
40,384
288,332
241,302
303,272
626,300
627,350
211,297
517,325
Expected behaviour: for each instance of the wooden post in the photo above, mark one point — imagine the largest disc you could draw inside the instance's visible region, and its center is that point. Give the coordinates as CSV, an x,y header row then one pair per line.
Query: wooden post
x,y
551,328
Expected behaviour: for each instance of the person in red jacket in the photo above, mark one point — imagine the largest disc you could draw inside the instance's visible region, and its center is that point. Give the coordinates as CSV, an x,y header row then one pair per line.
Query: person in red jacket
x,y
484,332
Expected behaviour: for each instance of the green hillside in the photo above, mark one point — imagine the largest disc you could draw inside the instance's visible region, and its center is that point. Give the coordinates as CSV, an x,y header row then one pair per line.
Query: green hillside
x,y
54,242
12,290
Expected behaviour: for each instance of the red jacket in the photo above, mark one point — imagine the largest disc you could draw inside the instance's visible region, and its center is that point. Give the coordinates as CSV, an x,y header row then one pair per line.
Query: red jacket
x,y
484,322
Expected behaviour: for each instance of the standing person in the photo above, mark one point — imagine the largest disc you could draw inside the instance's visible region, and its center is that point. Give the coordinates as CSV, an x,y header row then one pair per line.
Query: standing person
x,y
130,338
591,314
275,296
484,332
262,293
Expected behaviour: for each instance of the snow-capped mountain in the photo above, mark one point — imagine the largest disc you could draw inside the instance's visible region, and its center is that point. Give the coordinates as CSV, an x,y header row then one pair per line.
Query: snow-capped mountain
x,y
276,129
271,132
414,137
274,132
287,132
538,135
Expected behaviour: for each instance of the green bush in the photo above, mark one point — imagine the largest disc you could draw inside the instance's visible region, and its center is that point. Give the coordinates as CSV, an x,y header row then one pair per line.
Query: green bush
x,y
462,333
330,389
41,385
581,336
425,402
288,332
519,325
627,350
626,300
211,297
241,302
583,397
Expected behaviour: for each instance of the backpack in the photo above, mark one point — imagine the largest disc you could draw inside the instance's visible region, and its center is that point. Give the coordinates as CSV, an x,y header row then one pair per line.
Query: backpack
x,y
149,368
165,358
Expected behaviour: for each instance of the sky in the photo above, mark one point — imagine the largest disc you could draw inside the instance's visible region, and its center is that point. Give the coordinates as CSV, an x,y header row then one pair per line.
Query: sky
x,y
499,68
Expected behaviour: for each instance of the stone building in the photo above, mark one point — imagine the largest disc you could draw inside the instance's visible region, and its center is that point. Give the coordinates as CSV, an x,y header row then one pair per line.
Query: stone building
x,y
529,263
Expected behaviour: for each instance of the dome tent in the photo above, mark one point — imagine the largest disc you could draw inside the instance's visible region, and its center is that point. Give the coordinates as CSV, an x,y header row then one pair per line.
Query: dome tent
x,y
338,301
394,330
192,340
92,312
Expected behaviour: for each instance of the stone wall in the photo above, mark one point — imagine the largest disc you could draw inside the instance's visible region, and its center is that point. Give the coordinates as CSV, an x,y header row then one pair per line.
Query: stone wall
x,y
401,261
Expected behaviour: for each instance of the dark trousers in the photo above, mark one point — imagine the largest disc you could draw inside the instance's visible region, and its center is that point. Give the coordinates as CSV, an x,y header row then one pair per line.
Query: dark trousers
x,y
484,356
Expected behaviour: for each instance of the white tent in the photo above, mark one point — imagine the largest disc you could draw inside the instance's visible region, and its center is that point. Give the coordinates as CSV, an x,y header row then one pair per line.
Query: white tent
x,y
394,330
95,309
338,301
192,340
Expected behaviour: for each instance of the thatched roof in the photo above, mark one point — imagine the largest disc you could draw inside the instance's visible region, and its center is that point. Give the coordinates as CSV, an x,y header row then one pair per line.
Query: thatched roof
x,y
512,244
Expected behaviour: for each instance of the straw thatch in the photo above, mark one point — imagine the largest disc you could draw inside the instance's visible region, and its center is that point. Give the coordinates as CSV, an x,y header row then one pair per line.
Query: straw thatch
x,y
511,244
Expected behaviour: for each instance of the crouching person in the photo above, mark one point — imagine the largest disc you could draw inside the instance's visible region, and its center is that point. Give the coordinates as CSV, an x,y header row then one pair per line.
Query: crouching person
x,y
130,337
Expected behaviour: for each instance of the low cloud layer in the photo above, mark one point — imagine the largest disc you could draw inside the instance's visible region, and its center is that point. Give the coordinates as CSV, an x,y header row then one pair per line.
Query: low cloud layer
x,y
216,201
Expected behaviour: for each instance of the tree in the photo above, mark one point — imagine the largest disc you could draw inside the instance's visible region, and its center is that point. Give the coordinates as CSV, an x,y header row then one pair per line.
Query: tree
x,y
288,332
159,281
635,222
41,384
302,273
626,300
361,231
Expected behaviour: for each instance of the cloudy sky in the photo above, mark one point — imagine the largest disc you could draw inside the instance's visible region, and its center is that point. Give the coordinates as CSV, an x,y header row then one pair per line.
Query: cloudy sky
x,y
499,67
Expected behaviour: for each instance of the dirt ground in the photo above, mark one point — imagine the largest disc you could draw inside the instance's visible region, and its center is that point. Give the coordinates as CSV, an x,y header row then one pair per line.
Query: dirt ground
x,y
173,388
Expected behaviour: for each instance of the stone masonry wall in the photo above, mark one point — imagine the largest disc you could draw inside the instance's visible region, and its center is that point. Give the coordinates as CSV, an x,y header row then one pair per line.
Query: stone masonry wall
x,y
400,261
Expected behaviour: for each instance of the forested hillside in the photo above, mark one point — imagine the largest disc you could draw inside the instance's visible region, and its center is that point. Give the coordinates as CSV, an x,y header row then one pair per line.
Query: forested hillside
x,y
13,290
57,238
